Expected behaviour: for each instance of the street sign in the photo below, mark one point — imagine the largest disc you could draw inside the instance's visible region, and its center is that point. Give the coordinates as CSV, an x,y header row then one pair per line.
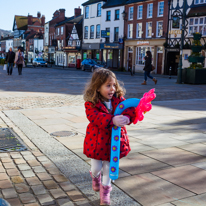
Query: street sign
x,y
105,33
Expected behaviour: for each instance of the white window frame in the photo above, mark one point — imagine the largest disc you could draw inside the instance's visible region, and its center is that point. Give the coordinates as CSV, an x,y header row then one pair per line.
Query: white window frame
x,y
198,26
158,11
139,25
86,12
138,9
139,60
147,23
130,31
157,29
148,10
131,12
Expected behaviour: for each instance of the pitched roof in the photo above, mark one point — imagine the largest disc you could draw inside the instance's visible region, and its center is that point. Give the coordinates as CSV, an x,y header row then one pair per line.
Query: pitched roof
x,y
91,2
72,20
113,3
134,1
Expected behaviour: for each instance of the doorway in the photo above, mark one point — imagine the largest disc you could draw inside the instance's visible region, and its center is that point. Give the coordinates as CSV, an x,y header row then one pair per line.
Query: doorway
x,y
159,63
129,60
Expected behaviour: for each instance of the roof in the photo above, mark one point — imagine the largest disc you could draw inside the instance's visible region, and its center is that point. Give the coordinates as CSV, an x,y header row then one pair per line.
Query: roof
x,y
73,19
113,3
134,1
197,11
91,2
22,21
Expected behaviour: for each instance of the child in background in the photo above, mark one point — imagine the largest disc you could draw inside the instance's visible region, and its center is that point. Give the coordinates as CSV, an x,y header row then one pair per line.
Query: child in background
x,y
102,95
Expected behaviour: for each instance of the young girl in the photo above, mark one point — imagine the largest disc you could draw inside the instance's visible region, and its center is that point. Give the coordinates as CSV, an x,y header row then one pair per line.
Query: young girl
x,y
102,95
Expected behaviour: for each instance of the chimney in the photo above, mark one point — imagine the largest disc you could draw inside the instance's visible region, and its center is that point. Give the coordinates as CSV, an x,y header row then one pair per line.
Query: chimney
x,y
39,14
77,11
30,19
62,12
42,20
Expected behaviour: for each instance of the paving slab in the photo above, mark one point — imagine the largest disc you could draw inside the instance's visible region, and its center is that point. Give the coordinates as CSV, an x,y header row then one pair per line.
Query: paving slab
x,y
150,190
188,177
174,156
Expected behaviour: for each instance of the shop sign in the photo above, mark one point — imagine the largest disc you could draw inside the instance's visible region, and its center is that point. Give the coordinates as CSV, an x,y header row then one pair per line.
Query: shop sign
x,y
105,33
111,46
70,47
142,43
175,32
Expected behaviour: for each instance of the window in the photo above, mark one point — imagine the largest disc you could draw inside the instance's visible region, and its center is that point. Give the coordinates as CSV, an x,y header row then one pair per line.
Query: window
x,y
92,32
86,12
58,31
141,53
116,14
149,10
139,12
62,30
86,32
160,8
200,1
99,9
108,16
98,31
131,10
107,39
130,30
139,30
116,33
197,25
159,28
149,29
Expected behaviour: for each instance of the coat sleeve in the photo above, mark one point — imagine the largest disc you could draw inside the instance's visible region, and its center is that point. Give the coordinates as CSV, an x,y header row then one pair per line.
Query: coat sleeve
x,y
100,119
129,112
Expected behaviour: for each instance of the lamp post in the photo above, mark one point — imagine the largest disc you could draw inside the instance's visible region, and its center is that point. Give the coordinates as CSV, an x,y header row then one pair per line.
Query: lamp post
x,y
179,74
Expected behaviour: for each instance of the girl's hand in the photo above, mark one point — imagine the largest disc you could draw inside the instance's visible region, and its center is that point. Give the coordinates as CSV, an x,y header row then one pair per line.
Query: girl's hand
x,y
120,120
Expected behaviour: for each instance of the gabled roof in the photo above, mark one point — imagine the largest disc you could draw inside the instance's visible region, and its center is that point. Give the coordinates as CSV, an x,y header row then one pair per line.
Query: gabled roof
x,y
113,3
72,20
91,2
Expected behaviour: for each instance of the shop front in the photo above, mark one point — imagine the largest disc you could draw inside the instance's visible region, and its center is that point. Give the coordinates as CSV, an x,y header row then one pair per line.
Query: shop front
x,y
135,52
73,56
91,51
112,54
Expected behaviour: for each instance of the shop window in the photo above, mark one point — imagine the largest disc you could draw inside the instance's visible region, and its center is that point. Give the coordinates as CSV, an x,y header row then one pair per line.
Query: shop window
x,y
141,53
72,60
139,11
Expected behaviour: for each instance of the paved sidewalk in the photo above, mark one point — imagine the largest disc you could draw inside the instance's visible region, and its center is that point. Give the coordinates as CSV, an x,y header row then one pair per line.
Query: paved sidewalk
x,y
167,164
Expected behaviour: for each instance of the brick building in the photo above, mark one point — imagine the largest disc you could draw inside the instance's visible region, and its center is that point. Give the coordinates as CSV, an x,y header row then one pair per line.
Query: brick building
x,y
145,29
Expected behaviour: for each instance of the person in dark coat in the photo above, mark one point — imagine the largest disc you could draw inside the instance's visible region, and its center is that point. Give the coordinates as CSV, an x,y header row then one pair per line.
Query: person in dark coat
x,y
102,96
148,68
10,61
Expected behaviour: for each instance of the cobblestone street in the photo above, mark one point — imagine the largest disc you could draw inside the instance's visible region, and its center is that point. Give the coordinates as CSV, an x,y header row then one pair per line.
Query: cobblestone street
x,y
169,144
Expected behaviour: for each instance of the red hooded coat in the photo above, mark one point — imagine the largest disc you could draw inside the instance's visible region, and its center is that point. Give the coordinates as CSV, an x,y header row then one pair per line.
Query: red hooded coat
x,y
97,142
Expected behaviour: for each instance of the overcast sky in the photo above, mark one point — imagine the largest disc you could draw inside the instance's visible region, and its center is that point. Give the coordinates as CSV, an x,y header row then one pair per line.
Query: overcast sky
x,y
10,8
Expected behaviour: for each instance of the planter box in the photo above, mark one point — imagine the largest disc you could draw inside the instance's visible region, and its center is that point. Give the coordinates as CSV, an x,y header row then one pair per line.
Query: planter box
x,y
196,48
197,36
196,59
194,76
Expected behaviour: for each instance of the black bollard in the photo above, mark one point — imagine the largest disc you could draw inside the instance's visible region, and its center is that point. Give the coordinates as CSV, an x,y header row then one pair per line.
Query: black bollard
x,y
170,72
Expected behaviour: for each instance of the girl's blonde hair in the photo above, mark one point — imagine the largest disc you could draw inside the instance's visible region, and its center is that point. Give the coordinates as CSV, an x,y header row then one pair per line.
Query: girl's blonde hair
x,y
99,77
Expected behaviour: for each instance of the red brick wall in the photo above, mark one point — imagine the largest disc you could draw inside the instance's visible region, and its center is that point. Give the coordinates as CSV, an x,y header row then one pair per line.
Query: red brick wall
x,y
144,19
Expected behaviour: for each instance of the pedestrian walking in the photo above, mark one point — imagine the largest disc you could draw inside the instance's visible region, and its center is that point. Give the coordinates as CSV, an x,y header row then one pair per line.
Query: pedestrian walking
x,y
10,61
148,68
19,60
102,95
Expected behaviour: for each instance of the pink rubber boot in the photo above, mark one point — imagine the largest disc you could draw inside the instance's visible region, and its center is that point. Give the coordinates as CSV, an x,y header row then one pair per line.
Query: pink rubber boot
x,y
105,194
95,182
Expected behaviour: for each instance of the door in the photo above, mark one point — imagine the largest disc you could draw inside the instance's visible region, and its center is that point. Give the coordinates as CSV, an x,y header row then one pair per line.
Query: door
x,y
130,61
159,63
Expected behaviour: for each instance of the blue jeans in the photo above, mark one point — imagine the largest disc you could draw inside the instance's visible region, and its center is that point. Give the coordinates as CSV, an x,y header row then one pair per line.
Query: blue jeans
x,y
10,68
147,74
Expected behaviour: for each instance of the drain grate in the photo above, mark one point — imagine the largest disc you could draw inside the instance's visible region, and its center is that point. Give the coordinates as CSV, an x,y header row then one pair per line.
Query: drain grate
x,y
63,134
9,141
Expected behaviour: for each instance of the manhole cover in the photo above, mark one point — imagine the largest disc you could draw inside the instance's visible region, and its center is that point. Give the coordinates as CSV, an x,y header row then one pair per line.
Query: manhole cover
x,y
9,141
63,134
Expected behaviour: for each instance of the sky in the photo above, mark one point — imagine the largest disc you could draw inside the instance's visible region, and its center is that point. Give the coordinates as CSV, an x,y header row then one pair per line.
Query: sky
x,y
10,8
